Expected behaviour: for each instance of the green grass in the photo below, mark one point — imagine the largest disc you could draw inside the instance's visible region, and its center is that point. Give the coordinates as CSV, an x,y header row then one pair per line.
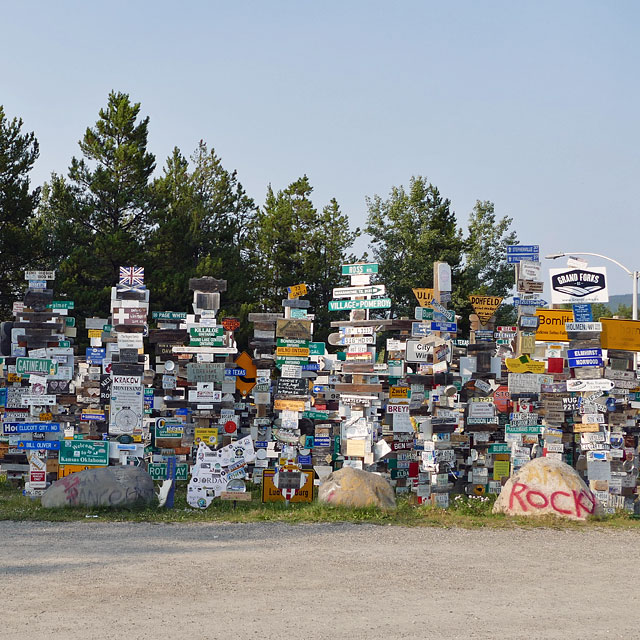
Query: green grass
x,y
464,512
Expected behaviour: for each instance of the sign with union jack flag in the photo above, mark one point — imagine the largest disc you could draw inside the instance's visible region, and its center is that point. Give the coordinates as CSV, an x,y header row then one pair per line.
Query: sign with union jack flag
x,y
132,276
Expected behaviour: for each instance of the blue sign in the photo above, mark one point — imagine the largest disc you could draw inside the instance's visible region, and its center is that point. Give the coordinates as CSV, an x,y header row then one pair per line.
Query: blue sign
x,y
235,372
96,356
100,417
449,327
584,362
518,252
3,397
51,445
584,353
261,444
30,427
183,411
312,366
419,329
322,441
582,313
319,388
304,459
519,302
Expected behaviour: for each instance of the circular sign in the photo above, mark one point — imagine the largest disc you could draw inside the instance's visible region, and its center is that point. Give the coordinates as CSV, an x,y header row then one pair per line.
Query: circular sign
x,y
230,426
231,324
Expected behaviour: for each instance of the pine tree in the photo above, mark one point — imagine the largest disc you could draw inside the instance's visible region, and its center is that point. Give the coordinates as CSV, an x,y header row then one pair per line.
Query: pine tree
x,y
18,153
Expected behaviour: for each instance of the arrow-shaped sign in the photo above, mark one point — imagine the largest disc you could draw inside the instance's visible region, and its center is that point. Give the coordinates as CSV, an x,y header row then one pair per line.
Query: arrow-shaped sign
x,y
347,292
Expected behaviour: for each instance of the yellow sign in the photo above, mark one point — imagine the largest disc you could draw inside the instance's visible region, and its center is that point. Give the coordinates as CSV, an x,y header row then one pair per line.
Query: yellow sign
x,y
424,296
67,469
208,436
524,364
297,290
271,493
500,469
485,307
586,427
14,377
551,327
296,352
281,404
619,334
245,383
45,417
95,333
399,392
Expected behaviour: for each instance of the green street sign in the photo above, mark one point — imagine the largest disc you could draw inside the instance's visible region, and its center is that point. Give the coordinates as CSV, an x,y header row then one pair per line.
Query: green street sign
x,y
64,343
158,471
61,304
107,328
424,313
293,342
348,305
500,447
207,336
357,269
36,365
316,415
70,321
166,429
93,453
317,349
280,360
526,429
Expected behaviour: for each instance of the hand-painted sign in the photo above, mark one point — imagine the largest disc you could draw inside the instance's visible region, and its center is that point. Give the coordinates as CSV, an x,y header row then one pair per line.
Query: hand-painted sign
x,y
569,286
356,269
346,305
485,306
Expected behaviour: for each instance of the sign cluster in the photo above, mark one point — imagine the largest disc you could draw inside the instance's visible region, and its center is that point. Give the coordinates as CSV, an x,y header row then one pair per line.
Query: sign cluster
x,y
410,398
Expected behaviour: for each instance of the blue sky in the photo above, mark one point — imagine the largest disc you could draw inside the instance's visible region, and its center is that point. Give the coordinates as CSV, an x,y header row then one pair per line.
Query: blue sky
x,y
533,105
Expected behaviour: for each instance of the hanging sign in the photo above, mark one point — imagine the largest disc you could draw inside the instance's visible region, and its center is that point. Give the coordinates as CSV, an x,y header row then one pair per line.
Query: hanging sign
x,y
571,286
485,307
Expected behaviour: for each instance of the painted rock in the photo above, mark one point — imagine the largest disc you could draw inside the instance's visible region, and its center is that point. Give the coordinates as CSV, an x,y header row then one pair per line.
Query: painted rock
x,y
354,488
106,487
545,486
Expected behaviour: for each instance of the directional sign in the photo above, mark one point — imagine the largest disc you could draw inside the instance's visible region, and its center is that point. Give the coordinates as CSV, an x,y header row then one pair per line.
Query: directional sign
x,y
347,305
533,302
348,292
245,383
517,252
356,269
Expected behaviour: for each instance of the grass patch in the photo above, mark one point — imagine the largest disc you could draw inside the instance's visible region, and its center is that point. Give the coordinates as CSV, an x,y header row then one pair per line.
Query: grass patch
x,y
465,512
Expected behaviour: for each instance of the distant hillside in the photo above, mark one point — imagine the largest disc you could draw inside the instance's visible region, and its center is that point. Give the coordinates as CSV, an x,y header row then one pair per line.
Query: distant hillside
x,y
616,301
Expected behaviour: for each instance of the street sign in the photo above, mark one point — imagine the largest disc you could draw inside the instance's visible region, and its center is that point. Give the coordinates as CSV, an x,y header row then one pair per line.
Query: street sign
x,y
346,305
372,290
159,471
423,313
9,428
297,290
518,252
169,315
84,452
39,275
595,327
61,304
356,269
449,327
36,365
49,445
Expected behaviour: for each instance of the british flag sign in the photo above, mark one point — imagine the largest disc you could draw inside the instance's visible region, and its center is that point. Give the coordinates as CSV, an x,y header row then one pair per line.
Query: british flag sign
x,y
132,276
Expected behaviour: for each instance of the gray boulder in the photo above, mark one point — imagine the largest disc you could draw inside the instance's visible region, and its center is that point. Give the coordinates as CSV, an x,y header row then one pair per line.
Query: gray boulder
x,y
350,487
105,487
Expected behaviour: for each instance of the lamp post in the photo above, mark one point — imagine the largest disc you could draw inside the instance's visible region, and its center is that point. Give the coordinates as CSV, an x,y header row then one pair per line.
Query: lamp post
x,y
633,274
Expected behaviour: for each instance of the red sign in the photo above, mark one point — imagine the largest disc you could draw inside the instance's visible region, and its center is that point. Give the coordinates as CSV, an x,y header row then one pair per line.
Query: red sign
x,y
502,399
231,324
230,426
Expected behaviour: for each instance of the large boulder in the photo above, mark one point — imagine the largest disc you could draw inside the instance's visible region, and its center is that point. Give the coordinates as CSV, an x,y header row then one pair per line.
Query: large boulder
x,y
354,488
545,486
105,487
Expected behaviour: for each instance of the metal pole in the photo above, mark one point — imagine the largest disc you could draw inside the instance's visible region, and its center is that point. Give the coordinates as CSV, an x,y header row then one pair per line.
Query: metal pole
x,y
634,312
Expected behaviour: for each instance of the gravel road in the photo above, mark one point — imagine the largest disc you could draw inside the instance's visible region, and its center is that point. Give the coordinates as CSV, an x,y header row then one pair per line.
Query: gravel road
x,y
272,581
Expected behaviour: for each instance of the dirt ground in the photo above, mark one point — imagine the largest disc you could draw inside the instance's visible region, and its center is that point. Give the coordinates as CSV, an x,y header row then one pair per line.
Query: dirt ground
x,y
148,581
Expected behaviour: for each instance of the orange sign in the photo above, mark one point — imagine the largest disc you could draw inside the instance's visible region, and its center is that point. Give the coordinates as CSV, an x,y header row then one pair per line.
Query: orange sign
x,y
551,327
424,296
245,383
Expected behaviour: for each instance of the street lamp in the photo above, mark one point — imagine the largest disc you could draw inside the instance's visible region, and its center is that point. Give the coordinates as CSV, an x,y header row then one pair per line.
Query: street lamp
x,y
633,274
